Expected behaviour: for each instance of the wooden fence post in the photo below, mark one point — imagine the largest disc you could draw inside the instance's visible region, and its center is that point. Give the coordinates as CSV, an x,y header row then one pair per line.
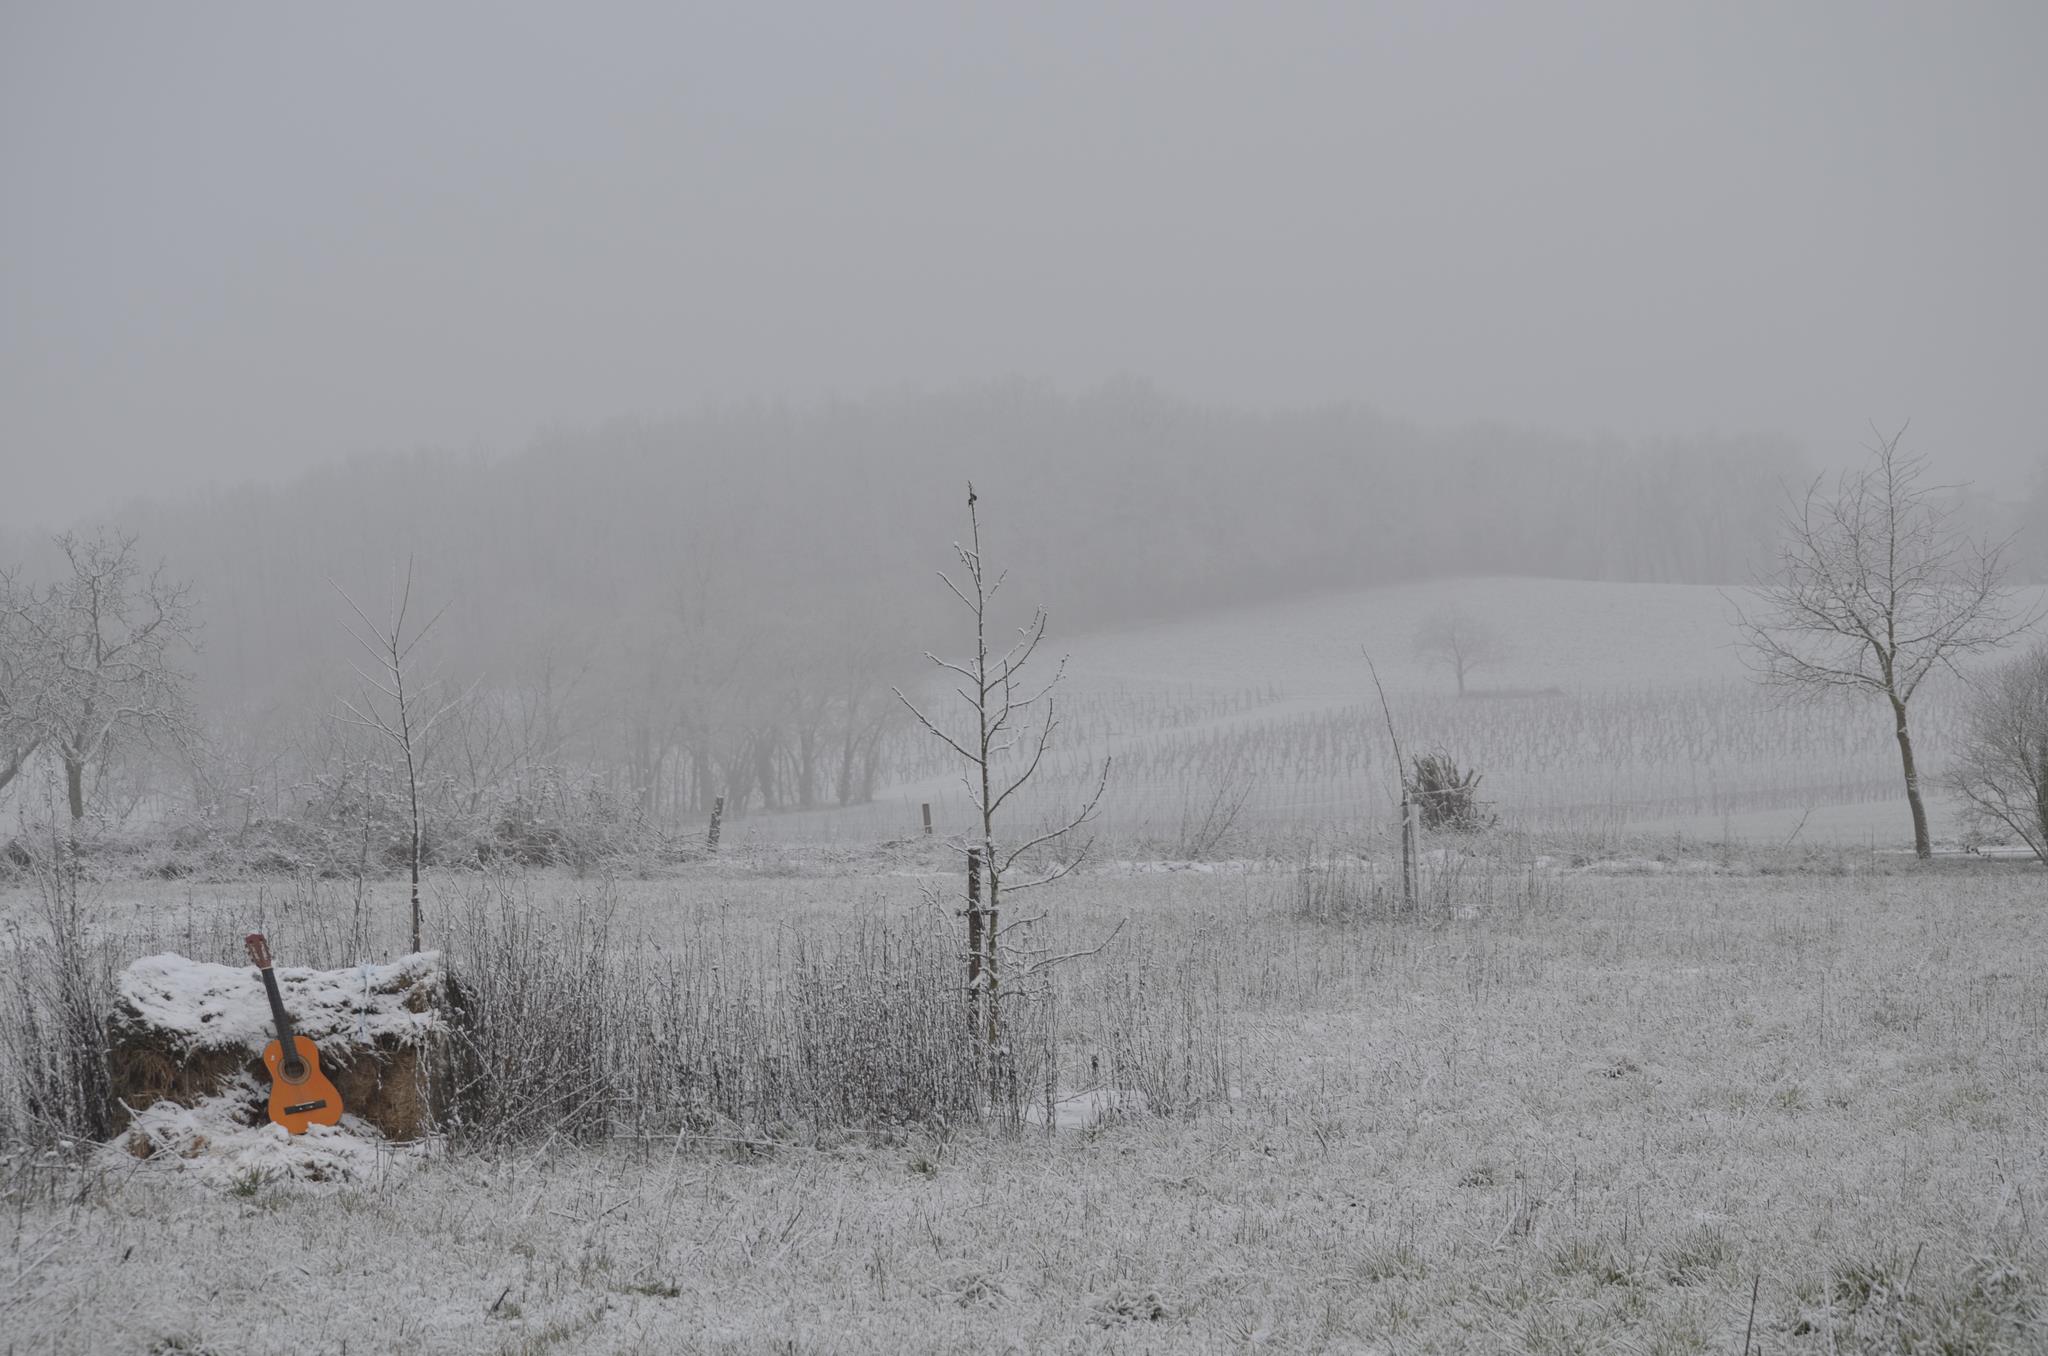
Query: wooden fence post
x,y
717,814
1408,899
927,819
973,937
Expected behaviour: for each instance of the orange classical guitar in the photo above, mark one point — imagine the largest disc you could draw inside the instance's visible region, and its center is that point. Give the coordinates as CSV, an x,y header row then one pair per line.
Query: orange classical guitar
x,y
300,1094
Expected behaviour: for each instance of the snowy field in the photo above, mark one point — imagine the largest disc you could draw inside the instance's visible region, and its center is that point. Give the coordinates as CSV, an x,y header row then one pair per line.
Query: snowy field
x,y
1592,1110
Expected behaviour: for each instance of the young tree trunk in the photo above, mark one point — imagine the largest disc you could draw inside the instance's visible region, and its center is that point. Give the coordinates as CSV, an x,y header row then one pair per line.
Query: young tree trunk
x,y
764,771
1922,847
842,786
74,785
700,779
990,979
412,785
974,939
870,763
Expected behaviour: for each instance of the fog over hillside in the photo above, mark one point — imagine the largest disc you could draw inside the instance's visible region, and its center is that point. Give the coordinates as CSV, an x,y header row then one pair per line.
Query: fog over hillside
x,y
1116,507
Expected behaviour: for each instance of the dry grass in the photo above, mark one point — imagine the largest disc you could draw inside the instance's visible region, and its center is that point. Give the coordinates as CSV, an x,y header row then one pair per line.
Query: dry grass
x,y
1580,1118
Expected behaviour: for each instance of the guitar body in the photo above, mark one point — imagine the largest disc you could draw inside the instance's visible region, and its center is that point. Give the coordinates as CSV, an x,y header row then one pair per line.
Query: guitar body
x,y
300,1095
309,1099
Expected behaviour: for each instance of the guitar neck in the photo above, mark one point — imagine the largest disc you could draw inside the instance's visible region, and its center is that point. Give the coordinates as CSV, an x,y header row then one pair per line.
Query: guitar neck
x,y
277,1012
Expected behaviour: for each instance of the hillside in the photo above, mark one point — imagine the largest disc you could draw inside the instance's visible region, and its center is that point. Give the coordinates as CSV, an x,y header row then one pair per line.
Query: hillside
x,y
1577,635
1615,708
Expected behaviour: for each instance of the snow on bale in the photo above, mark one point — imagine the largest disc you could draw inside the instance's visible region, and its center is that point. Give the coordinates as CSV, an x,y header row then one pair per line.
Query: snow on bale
x,y
191,1034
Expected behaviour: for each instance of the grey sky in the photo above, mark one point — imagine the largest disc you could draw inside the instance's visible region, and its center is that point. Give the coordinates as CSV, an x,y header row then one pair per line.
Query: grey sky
x,y
237,240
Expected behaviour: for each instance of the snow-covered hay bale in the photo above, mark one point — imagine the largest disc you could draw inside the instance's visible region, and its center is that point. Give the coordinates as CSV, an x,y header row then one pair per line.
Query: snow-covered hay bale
x,y
186,1031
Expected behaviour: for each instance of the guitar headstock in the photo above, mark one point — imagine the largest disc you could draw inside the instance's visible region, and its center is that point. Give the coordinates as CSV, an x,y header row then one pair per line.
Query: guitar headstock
x,y
259,950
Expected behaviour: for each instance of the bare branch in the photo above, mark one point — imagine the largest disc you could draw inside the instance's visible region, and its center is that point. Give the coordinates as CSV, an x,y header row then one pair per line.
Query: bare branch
x,y
1086,813
1049,962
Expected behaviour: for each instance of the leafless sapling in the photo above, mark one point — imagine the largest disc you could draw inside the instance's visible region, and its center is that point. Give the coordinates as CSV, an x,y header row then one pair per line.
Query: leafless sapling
x,y
1875,587
398,705
1407,798
1001,751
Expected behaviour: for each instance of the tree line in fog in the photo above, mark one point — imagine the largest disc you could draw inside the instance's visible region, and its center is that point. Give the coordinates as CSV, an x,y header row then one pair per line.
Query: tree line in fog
x,y
648,615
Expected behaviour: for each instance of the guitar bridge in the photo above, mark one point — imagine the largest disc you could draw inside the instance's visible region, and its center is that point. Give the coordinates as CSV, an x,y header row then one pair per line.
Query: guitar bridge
x,y
298,1107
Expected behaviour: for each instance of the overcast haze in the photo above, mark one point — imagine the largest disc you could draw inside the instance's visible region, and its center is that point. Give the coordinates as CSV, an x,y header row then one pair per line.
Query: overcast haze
x,y
244,240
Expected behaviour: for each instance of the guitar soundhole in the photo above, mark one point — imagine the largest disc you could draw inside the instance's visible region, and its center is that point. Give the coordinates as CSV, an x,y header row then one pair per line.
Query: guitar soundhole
x,y
293,1071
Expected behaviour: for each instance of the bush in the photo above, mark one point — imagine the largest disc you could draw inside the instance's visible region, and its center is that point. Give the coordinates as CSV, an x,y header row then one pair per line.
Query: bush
x,y
54,997
566,1029
1445,797
541,1018
2001,772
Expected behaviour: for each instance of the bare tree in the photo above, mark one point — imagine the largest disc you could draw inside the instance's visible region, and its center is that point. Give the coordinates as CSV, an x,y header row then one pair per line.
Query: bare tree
x,y
2001,772
1458,641
398,705
1875,587
88,663
20,686
1001,753
502,735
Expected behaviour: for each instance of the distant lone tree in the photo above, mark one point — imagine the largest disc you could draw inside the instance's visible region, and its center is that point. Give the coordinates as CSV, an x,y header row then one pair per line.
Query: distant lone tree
x,y
1875,587
1457,641
2001,772
88,662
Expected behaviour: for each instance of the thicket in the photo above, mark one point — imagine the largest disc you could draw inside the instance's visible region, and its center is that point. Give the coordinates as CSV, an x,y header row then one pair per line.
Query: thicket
x,y
573,1021
1445,797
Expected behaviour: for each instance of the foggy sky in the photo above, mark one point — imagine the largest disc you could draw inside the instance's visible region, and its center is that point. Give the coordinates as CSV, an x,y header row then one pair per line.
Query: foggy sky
x,y
240,240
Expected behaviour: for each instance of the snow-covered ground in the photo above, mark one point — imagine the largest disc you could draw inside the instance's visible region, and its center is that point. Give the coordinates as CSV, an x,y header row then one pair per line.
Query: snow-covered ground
x,y
213,1144
1591,1120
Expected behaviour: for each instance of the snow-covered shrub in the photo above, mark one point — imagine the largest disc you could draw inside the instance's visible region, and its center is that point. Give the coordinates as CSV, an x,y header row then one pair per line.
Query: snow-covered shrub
x,y
868,1027
567,1028
1445,797
54,995
2001,770
553,818
541,1018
